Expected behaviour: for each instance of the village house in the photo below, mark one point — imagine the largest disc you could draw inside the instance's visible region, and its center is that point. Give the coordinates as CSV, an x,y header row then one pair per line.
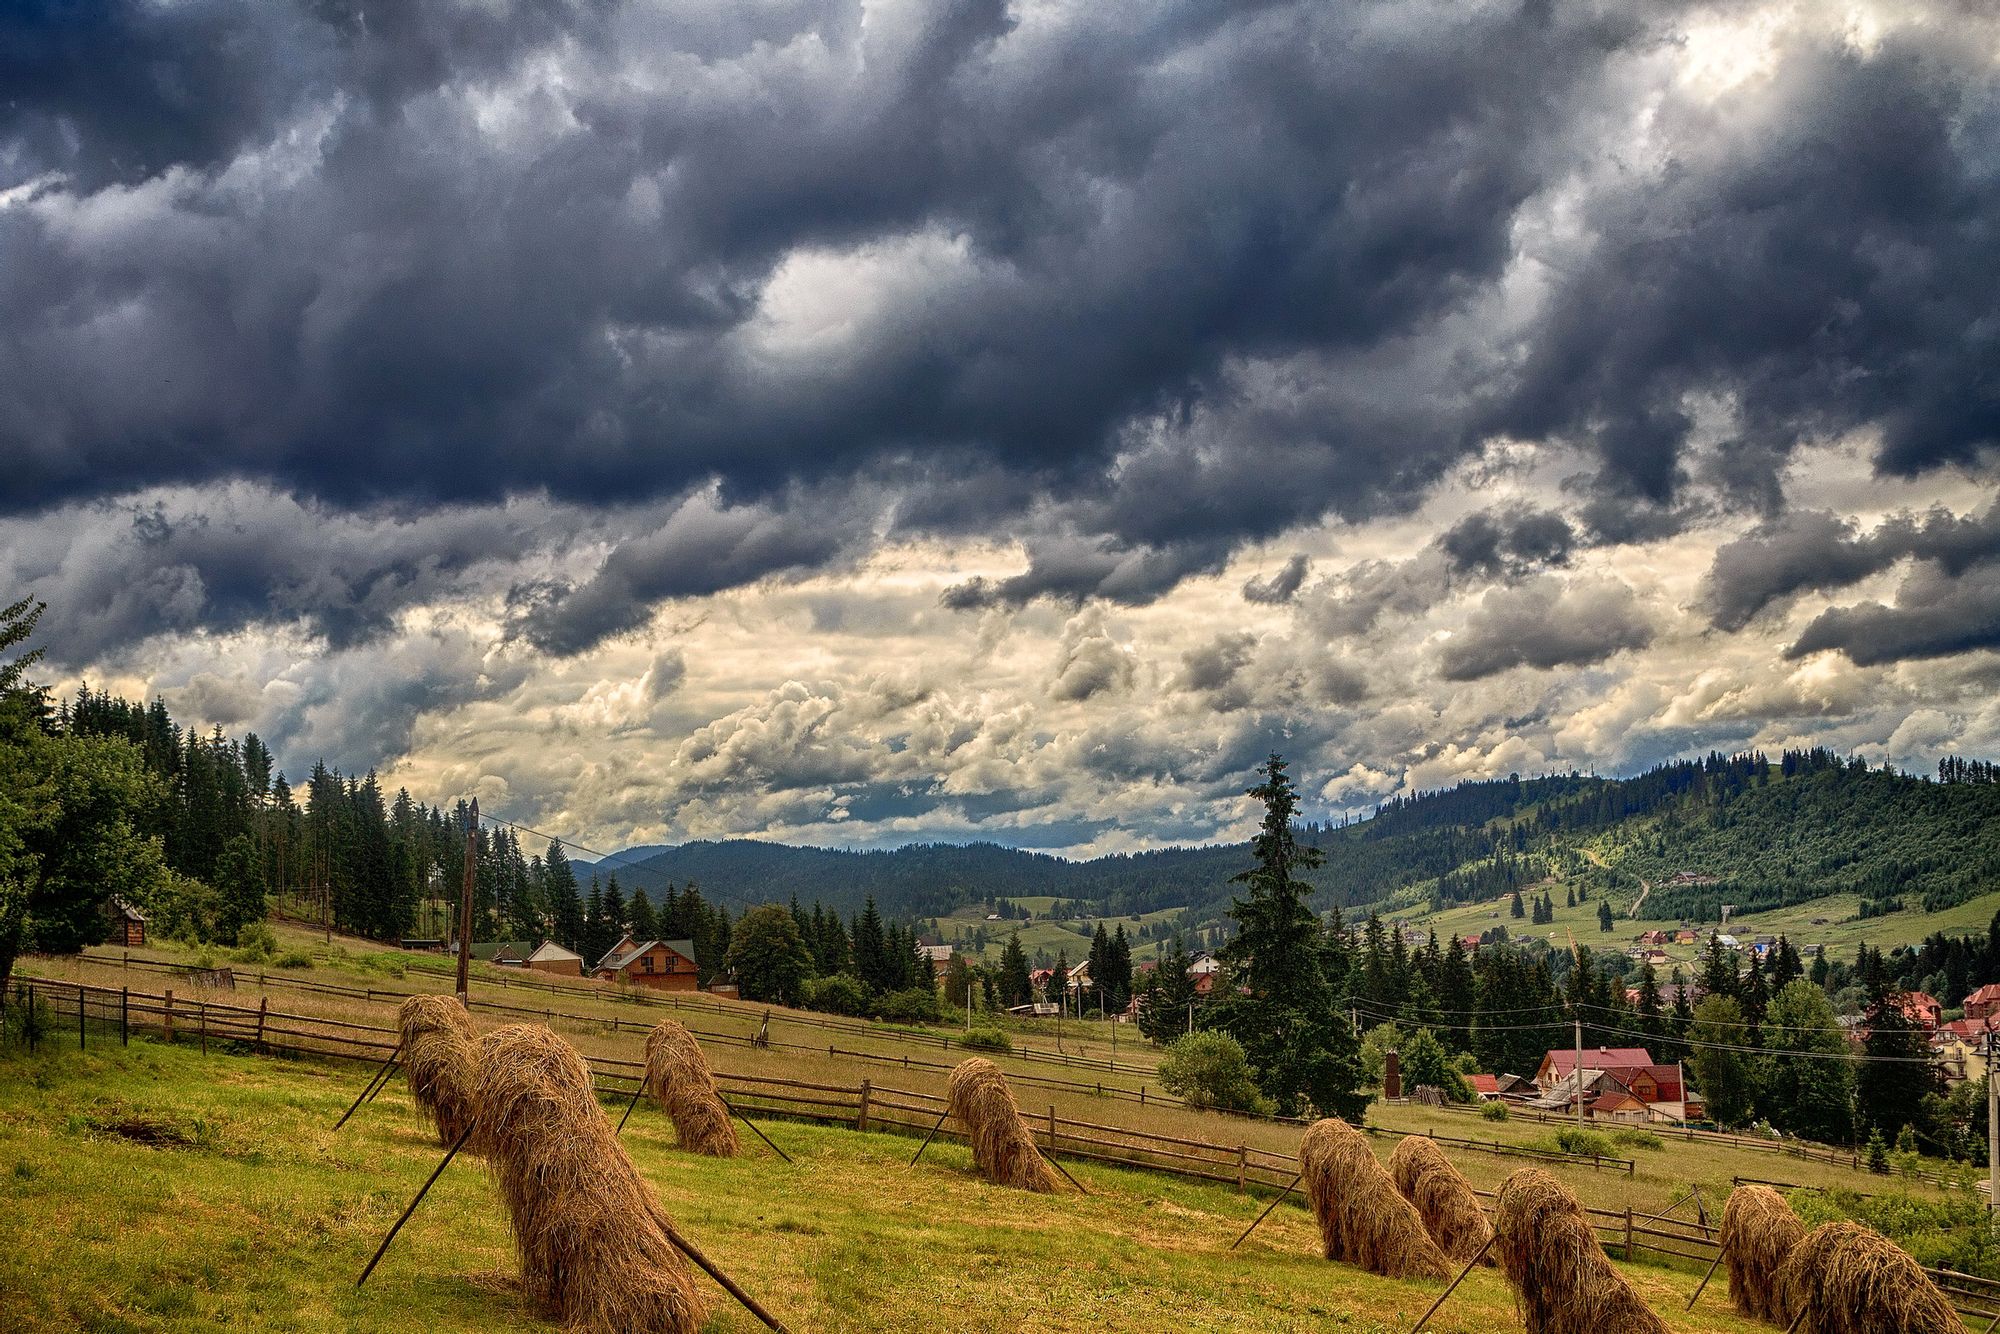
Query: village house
x,y
1983,1003
1923,1009
663,965
553,958
1617,1084
1687,935
1656,937
1960,1047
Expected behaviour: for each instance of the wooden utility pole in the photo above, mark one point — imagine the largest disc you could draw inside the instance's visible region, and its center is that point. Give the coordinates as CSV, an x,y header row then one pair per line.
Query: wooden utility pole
x,y
1579,1074
465,901
1992,1126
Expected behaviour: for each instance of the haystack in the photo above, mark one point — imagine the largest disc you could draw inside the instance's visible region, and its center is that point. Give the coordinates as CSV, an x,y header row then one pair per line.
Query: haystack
x,y
1850,1279
1002,1149
1362,1218
679,1076
1758,1231
438,1059
1444,1199
1563,1282
595,1253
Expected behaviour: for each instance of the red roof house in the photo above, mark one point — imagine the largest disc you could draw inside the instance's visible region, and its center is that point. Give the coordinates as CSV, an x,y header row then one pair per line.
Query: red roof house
x,y
1560,1062
1983,1003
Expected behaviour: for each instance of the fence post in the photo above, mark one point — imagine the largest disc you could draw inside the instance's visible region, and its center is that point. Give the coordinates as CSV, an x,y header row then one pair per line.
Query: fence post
x,y
167,1007
1628,1234
1052,1127
1242,1165
79,1017
1142,1095
263,1006
861,1115
203,1003
124,1016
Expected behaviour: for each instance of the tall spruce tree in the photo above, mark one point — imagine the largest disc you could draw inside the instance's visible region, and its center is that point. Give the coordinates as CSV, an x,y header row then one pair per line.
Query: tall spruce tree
x,y
1280,1007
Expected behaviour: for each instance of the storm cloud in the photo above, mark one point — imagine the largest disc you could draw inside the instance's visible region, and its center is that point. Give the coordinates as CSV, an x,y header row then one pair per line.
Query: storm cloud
x,y
892,418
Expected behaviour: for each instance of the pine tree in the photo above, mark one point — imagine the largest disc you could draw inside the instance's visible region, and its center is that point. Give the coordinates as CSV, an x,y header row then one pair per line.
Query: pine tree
x,y
871,951
1603,916
644,925
1015,987
1280,1007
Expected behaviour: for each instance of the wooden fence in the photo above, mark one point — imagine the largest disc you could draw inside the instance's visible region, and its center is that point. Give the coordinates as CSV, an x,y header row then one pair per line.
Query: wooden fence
x,y
1630,1235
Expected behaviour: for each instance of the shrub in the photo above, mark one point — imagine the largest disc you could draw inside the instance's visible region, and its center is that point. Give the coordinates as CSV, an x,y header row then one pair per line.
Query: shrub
x,y
1210,1070
839,994
1582,1143
255,943
1878,1152
1494,1111
918,1005
1634,1138
986,1039
293,959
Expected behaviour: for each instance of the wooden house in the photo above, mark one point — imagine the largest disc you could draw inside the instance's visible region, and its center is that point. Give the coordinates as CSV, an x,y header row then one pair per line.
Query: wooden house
x,y
553,958
664,965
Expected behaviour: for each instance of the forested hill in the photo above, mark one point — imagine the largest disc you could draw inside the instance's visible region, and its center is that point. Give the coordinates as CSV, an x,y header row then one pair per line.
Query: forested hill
x,y
1751,831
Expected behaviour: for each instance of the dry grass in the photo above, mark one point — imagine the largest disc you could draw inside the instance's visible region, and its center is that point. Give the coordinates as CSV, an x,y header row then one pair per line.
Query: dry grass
x,y
1002,1148
438,1042
1563,1282
679,1076
1362,1219
1850,1279
1444,1199
594,1246
1759,1230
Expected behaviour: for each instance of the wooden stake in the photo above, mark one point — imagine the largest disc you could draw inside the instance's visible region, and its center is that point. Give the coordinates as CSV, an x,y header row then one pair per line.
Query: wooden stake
x,y
687,1248
387,1075
1426,1319
379,1250
637,1093
1704,1280
1795,1320
1268,1208
760,1134
928,1138
382,1072
1065,1171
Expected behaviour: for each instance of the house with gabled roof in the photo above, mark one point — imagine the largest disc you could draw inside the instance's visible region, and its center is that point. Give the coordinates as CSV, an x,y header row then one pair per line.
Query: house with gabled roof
x,y
553,958
663,965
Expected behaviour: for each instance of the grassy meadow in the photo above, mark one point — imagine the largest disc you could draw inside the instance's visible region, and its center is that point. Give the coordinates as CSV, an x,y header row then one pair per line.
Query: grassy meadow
x,y
154,1188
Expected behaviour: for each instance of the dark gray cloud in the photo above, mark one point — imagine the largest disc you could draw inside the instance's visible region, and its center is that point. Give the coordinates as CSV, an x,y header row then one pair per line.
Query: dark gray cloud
x,y
1817,249
1509,541
1279,587
702,547
1935,616
115,575
1820,552
1545,624
1136,288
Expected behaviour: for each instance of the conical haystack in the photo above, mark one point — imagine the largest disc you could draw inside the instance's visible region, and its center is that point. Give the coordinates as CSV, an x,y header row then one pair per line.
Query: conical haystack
x,y
679,1076
1850,1279
1563,1282
595,1253
1362,1219
1002,1148
1444,1199
1758,1231
438,1059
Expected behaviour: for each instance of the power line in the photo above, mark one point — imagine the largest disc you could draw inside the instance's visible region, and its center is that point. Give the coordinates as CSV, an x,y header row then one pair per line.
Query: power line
x,y
606,858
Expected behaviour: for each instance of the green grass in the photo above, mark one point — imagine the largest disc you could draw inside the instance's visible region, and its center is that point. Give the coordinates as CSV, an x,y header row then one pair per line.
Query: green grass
x,y
262,1219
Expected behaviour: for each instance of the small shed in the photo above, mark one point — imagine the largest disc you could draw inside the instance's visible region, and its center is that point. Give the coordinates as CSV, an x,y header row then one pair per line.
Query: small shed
x,y
128,924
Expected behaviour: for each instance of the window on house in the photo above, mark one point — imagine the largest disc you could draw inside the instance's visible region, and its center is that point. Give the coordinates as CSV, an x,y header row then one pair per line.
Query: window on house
x,y
648,963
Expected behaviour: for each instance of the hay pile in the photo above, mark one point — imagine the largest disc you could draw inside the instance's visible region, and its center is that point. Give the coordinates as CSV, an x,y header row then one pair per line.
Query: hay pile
x,y
1443,1197
1758,1231
1002,1149
595,1254
1563,1282
438,1059
1362,1218
679,1076
1850,1279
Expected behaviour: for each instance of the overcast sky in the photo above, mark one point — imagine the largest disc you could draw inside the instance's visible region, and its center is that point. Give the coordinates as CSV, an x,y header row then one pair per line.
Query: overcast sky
x,y
908,420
